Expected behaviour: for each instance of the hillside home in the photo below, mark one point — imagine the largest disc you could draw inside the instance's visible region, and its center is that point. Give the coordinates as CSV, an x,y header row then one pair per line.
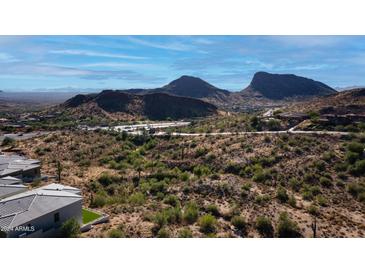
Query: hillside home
x,y
20,167
39,212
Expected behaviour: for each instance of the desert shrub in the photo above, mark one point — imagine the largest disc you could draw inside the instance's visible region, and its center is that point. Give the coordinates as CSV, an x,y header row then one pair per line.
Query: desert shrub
x,y
287,228
324,181
158,187
98,201
264,226
7,141
172,200
191,213
201,170
356,189
106,179
207,224
340,167
315,190
239,223
358,169
160,219
328,156
185,233
322,201
352,157
260,176
70,229
292,201
233,168
170,215
320,165
361,197
137,199
282,195
213,209
246,186
295,184
201,151
309,177
262,199
116,233
355,147
163,233
313,210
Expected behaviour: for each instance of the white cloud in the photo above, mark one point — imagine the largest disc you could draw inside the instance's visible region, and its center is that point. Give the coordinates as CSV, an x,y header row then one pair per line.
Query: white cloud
x,y
7,58
177,46
308,41
95,54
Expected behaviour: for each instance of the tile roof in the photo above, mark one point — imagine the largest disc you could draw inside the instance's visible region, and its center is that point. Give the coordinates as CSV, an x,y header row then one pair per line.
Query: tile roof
x,y
10,164
9,180
24,207
7,190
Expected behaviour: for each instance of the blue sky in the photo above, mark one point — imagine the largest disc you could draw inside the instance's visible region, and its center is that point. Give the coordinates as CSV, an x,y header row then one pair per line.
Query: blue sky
x,y
97,62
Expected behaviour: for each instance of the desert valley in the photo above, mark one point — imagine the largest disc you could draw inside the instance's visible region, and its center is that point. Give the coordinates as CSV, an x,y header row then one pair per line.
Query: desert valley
x,y
284,157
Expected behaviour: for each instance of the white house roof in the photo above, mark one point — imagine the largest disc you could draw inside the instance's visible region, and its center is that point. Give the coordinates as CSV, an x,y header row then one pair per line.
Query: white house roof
x,y
21,209
10,164
62,187
8,190
9,180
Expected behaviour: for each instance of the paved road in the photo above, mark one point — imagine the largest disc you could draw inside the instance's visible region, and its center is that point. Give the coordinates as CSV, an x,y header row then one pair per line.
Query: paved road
x,y
290,131
135,128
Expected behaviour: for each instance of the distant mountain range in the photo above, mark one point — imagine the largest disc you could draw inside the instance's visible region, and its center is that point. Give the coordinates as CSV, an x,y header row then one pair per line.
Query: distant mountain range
x,y
281,86
156,106
187,86
188,96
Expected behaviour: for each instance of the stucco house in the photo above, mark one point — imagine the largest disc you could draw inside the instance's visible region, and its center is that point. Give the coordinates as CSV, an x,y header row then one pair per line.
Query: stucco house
x,y
39,212
19,167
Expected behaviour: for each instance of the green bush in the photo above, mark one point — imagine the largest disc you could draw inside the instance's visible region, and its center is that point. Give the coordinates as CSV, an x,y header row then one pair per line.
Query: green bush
x,y
208,224
355,147
172,200
137,199
313,210
287,228
191,213
264,226
282,195
70,229
239,223
98,201
295,184
116,233
359,168
322,201
324,181
8,141
163,233
185,233
213,209
352,157
106,179
356,189
292,201
201,170
262,199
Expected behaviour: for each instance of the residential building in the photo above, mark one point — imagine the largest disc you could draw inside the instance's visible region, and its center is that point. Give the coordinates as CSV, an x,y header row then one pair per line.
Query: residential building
x,y
20,167
39,212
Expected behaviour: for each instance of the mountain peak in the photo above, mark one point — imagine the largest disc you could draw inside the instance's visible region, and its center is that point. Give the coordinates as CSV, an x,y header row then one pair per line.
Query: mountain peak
x,y
190,86
280,86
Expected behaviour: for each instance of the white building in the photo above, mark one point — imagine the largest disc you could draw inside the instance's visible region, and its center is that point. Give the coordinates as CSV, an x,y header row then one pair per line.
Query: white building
x,y
39,212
